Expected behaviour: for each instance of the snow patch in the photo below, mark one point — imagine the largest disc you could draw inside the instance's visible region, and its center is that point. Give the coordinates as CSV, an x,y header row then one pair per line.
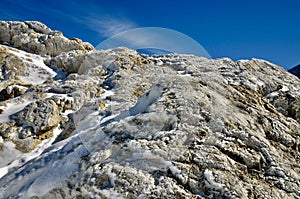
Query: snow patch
x,y
18,157
39,73
210,181
61,96
142,104
12,108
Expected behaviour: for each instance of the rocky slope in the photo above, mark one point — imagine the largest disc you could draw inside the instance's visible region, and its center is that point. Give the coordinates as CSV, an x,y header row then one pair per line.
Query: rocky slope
x,y
82,123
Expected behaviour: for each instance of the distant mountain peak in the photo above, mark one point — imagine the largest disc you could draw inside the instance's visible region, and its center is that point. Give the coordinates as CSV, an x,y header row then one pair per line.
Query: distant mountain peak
x,y
295,70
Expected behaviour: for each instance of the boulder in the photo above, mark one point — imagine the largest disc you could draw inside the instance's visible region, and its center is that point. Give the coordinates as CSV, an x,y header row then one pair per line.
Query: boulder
x,y
37,117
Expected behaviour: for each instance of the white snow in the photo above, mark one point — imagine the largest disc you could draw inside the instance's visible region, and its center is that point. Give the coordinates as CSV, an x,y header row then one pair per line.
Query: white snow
x,y
106,94
146,100
273,94
111,193
36,59
7,156
243,60
19,157
159,62
284,89
183,73
10,88
61,96
12,108
210,181
142,104
37,74
55,164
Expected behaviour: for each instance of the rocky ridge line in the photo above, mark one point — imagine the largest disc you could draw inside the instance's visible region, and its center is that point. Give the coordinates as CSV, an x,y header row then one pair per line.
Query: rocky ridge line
x,y
35,37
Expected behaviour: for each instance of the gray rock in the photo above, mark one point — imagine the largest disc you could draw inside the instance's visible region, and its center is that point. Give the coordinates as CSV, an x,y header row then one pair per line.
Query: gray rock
x,y
37,117
172,126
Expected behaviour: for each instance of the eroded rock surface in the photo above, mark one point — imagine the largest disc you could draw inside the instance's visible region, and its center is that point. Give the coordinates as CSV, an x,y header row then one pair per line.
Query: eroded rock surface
x,y
124,125
37,38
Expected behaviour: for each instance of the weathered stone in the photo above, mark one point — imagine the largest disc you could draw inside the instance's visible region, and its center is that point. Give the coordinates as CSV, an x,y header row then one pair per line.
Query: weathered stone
x,y
7,128
171,126
36,37
80,62
38,117
25,144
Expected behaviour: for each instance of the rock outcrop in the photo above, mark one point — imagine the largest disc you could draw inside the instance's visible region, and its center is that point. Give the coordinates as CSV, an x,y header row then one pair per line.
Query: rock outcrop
x,y
118,124
37,38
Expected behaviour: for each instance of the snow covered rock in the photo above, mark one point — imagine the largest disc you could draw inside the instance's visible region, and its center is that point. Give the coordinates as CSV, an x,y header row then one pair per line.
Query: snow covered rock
x,y
117,124
35,37
80,62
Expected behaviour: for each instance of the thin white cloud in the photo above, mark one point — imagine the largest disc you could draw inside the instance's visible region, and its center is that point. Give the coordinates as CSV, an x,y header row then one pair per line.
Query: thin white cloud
x,y
107,26
155,38
104,24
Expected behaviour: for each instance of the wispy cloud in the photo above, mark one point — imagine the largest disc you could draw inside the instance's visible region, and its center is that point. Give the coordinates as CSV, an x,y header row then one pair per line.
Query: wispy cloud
x,y
155,38
92,15
107,26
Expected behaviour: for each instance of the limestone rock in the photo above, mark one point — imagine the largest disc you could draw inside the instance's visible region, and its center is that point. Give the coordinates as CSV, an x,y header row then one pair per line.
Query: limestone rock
x,y
136,126
37,38
38,116
21,67
7,128
80,62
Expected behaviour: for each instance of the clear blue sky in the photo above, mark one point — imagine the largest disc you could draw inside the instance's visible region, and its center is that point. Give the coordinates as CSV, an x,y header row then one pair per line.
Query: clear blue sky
x,y
230,28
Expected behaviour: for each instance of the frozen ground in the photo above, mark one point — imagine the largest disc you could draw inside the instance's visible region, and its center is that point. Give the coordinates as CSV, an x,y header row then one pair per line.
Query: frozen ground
x,y
123,125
